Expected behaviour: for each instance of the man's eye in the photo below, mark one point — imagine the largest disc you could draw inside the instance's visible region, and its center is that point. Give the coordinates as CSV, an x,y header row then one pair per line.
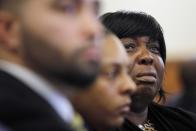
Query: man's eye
x,y
66,7
69,8
130,46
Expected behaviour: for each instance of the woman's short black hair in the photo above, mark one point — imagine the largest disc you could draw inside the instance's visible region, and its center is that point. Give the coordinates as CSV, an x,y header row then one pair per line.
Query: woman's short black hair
x,y
134,24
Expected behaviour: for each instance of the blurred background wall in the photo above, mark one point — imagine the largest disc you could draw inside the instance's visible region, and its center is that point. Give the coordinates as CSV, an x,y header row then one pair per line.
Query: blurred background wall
x,y
178,19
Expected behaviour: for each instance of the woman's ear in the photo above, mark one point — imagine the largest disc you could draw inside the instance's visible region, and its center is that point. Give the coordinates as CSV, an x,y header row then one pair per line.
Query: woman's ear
x,y
9,31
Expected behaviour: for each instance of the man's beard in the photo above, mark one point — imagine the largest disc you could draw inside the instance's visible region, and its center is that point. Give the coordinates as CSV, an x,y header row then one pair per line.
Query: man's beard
x,y
77,75
47,61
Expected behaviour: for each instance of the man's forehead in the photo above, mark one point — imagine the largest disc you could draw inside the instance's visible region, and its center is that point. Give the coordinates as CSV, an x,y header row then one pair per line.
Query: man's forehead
x,y
76,1
80,1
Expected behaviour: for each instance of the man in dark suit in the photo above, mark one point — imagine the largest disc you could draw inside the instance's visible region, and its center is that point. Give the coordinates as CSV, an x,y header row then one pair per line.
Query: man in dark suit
x,y
46,47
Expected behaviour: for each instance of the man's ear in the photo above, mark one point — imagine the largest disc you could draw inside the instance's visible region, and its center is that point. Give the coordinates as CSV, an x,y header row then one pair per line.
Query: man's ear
x,y
9,31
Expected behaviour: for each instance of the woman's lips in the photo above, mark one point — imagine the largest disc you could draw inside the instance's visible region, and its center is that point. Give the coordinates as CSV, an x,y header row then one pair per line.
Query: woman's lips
x,y
146,77
124,109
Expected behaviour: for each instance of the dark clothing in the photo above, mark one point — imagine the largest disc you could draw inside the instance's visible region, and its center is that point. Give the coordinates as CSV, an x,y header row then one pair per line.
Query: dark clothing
x,y
185,101
166,119
21,109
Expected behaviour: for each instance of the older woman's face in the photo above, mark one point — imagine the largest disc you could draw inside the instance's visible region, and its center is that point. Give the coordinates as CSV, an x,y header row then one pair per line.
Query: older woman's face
x,y
147,70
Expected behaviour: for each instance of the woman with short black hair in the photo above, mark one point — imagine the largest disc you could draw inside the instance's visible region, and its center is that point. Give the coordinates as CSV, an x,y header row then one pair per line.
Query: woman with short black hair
x,y
142,36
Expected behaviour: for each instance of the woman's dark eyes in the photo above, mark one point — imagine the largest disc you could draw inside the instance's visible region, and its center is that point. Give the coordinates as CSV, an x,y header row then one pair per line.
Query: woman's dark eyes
x,y
130,46
154,49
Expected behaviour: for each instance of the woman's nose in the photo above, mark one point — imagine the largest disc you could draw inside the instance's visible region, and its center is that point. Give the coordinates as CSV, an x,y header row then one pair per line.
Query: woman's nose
x,y
145,58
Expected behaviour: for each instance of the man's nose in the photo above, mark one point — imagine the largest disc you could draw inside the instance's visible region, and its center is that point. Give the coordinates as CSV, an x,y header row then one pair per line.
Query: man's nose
x,y
91,26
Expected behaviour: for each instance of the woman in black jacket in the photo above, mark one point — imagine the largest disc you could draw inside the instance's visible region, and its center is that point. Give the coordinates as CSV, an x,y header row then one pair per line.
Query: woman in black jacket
x,y
142,36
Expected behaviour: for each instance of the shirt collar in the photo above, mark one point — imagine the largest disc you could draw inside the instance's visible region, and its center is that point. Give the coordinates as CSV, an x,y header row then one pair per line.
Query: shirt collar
x,y
42,87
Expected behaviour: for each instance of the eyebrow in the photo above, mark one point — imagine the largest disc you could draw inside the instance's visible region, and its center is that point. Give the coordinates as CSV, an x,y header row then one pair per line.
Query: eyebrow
x,y
156,42
78,2
117,66
94,2
114,64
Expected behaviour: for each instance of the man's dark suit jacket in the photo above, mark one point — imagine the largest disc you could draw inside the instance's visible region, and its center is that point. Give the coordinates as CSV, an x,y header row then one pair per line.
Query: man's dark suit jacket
x,y
22,109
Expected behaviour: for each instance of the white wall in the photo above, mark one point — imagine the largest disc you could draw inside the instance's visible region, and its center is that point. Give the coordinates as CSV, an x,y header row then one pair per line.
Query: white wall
x,y
177,17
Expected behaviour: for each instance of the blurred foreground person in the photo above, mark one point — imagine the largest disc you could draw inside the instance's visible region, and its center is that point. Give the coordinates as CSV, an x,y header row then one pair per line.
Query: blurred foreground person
x,y
187,99
106,102
3,128
143,39
46,47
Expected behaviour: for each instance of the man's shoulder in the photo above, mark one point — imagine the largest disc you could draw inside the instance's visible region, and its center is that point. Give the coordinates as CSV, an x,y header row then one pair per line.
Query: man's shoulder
x,y
19,104
12,86
8,79
16,95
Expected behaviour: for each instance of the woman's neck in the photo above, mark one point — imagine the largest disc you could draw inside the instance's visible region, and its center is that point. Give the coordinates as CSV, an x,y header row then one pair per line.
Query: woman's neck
x,y
138,118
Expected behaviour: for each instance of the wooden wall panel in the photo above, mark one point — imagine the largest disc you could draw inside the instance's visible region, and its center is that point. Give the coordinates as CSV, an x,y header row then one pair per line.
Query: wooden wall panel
x,y
172,83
